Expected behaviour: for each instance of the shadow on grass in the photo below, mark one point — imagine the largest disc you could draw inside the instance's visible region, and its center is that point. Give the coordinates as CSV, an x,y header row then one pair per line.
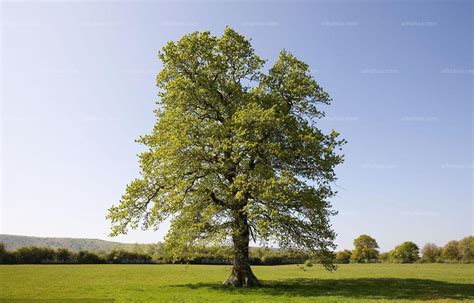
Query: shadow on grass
x,y
383,288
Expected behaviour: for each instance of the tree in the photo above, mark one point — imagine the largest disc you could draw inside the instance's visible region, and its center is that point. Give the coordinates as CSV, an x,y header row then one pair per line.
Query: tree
x,y
466,249
34,255
343,256
407,252
430,253
385,257
451,252
63,256
86,257
365,249
5,256
235,153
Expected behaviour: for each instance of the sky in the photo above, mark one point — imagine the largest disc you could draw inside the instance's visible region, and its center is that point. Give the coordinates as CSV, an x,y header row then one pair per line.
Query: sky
x,y
78,87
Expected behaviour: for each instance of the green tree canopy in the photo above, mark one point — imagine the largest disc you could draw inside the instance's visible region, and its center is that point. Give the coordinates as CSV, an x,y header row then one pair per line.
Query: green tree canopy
x,y
407,252
466,249
365,249
430,252
235,153
451,252
343,256
385,257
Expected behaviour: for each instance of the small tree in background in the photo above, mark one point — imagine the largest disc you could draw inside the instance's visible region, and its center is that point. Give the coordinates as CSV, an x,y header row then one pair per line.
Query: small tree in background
x,y
385,257
5,256
450,252
466,249
430,253
63,256
235,154
343,256
407,252
365,249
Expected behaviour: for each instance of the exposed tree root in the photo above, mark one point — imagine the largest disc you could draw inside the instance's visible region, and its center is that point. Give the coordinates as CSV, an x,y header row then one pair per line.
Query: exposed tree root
x,y
242,276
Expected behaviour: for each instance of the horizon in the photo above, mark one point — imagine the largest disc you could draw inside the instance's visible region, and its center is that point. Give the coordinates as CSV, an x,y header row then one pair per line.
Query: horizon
x,y
78,89
253,245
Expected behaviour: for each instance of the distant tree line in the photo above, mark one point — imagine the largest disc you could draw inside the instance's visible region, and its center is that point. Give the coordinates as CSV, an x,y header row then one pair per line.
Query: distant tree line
x,y
45,255
366,250
143,254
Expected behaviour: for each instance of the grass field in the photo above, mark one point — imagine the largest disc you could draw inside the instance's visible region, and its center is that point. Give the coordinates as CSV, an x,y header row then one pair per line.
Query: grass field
x,y
202,283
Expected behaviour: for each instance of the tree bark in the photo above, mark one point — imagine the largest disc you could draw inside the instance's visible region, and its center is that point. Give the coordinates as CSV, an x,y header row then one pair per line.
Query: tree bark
x,y
242,275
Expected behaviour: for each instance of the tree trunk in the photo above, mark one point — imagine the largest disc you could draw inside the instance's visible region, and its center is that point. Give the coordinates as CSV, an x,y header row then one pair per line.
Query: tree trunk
x,y
242,275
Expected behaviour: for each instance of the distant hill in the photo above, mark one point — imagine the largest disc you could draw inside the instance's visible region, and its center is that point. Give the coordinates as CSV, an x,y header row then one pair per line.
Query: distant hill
x,y
12,242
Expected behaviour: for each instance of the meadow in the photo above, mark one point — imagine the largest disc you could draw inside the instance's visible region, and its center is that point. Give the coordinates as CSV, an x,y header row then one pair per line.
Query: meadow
x,y
202,283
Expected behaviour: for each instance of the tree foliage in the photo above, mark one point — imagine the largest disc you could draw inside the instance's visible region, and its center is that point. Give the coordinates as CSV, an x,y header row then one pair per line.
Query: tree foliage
x,y
343,256
385,257
430,253
451,251
466,249
365,249
407,252
234,150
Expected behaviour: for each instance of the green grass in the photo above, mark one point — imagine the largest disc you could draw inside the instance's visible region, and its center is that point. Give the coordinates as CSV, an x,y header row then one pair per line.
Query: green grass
x,y
202,283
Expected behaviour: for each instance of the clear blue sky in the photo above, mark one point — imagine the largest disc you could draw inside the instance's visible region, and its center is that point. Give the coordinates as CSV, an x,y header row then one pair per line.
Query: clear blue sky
x,y
78,86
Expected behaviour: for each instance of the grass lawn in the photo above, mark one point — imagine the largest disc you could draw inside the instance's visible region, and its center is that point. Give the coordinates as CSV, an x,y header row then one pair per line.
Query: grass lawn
x,y
202,283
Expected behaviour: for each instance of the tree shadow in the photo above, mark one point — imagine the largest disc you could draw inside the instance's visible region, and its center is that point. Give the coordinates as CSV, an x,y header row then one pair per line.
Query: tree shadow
x,y
363,288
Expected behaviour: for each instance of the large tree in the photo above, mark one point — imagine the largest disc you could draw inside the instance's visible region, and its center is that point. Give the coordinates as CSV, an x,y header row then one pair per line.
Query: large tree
x,y
235,154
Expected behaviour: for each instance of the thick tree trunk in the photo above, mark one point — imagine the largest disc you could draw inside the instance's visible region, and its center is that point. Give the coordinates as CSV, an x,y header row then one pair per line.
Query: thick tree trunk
x,y
242,275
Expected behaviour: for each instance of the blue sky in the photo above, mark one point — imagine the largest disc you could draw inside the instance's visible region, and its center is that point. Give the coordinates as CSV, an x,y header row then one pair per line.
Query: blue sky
x,y
78,86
